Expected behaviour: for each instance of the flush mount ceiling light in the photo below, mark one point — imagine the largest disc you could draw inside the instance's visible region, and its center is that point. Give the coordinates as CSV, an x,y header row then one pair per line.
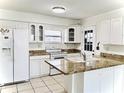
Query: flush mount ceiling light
x,y
58,9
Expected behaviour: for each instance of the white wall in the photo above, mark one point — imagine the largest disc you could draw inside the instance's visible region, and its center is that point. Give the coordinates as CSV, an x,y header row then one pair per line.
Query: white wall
x,y
31,17
95,21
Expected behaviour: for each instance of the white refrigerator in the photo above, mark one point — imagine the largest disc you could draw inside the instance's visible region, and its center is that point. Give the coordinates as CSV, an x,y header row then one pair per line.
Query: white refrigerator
x,y
14,55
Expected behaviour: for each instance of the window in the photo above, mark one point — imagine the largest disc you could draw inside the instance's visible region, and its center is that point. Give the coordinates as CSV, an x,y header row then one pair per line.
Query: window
x,y
53,36
88,40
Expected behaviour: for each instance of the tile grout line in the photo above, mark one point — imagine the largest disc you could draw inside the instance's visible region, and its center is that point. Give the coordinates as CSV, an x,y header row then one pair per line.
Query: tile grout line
x,y
17,88
31,83
32,86
0,89
46,85
58,83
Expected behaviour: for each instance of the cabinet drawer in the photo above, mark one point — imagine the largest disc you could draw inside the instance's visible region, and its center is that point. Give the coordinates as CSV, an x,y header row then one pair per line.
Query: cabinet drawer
x,y
74,55
39,57
45,57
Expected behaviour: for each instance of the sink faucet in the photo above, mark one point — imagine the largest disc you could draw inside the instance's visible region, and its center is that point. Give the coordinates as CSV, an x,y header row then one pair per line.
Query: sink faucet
x,y
84,56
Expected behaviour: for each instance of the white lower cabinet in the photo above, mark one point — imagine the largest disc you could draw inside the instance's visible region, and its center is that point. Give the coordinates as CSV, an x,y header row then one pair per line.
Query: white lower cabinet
x,y
35,68
119,79
44,68
74,55
91,82
38,67
106,80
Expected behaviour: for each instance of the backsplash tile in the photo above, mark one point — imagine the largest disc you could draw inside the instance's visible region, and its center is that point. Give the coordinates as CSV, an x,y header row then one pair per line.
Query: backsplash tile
x,y
112,56
42,46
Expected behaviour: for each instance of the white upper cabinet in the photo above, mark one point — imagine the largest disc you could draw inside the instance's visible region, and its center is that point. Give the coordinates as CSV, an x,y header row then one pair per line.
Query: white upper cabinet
x,y
36,33
111,31
116,33
73,34
104,31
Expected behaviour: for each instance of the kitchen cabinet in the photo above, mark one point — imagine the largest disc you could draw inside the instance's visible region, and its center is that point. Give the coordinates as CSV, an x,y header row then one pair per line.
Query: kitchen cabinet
x,y
44,69
104,31
73,34
74,55
38,67
44,66
103,80
107,80
99,81
36,33
116,33
119,79
92,81
111,31
35,68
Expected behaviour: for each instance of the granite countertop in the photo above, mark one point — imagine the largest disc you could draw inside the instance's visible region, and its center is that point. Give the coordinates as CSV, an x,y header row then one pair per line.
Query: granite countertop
x,y
38,52
43,52
67,66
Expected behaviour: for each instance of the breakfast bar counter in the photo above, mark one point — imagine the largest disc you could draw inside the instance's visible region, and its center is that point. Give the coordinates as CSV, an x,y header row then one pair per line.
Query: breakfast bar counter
x,y
71,66
98,75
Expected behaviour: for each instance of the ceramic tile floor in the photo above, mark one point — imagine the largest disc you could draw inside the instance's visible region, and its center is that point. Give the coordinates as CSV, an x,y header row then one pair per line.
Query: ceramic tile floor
x,y
49,84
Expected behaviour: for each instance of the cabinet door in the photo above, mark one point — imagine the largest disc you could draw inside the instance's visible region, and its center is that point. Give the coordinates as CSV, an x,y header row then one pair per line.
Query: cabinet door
x,y
36,32
91,82
35,68
40,33
21,54
74,55
32,32
105,31
45,68
71,34
119,79
116,34
106,80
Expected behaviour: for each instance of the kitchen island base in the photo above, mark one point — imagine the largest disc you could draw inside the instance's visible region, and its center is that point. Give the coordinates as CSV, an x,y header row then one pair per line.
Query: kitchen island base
x,y
105,80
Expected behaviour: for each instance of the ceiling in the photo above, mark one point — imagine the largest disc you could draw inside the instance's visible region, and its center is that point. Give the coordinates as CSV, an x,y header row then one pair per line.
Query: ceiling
x,y
76,9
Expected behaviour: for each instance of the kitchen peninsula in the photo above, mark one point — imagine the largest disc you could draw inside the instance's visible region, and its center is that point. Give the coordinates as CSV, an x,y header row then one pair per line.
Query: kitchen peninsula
x,y
98,75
